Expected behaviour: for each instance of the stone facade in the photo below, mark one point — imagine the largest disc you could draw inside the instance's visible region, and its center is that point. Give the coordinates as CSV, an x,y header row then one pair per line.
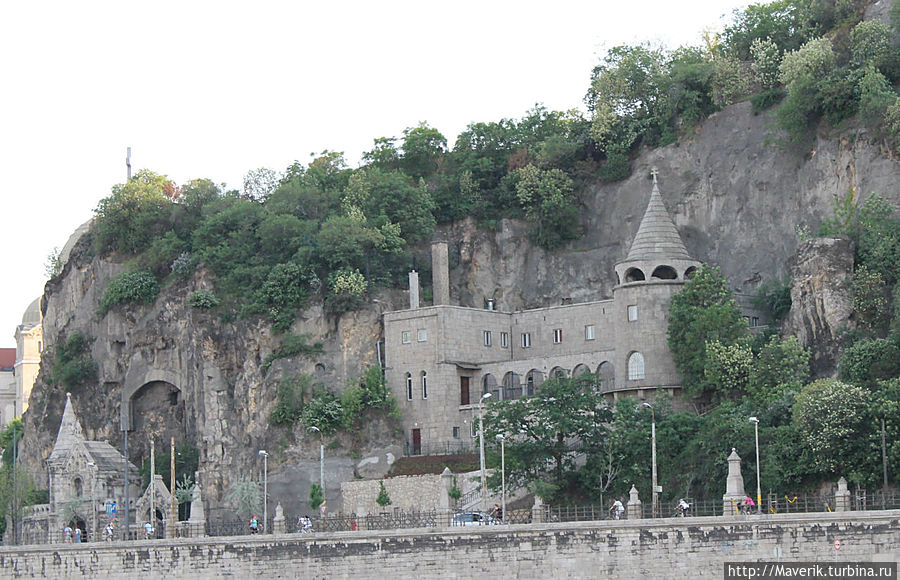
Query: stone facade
x,y
440,360
83,477
654,549
19,366
407,493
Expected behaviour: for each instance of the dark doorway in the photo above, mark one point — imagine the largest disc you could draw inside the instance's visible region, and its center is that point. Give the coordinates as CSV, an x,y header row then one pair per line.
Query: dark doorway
x,y
463,390
417,442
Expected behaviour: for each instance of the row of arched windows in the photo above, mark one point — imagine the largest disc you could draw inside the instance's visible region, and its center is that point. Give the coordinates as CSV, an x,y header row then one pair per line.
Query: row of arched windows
x,y
512,386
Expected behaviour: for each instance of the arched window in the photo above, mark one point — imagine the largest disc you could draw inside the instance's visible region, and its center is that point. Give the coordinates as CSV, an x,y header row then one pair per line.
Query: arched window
x,y
533,379
79,487
489,385
665,273
689,273
558,373
635,366
409,387
580,370
424,385
634,275
512,387
607,374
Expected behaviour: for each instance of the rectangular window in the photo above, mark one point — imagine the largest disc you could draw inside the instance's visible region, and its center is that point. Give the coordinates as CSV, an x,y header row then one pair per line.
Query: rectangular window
x,y
406,337
422,335
632,313
463,390
504,340
557,335
589,332
487,338
526,340
456,432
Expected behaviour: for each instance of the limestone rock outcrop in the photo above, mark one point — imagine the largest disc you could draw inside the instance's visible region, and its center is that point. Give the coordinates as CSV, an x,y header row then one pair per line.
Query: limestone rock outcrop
x,y
821,299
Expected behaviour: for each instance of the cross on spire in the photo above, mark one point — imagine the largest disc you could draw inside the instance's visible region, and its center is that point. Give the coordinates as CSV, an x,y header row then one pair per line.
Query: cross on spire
x,y
654,172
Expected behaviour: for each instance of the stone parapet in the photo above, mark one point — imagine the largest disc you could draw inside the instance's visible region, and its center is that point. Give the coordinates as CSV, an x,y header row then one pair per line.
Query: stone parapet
x,y
654,549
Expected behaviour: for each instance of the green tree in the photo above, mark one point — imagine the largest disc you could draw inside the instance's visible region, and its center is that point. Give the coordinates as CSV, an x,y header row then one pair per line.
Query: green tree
x,y
550,205
383,498
625,96
869,360
777,21
700,313
546,431
781,367
73,365
346,290
323,411
870,43
875,96
245,496
316,496
831,419
728,368
422,150
259,183
870,299
134,214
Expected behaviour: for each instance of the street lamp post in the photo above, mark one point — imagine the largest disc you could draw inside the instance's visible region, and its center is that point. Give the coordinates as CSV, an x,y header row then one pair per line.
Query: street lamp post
x,y
755,422
653,458
502,441
321,459
481,448
93,533
265,457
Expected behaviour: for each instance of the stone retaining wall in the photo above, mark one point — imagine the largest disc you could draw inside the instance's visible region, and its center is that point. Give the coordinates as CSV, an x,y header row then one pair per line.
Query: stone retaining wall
x,y
655,549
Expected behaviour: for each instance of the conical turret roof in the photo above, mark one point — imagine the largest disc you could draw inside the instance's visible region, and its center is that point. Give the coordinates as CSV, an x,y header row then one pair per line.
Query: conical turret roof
x,y
70,432
657,237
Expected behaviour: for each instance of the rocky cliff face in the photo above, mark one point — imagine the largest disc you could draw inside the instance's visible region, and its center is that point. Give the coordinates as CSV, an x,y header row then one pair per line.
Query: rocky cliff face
x,y
821,299
736,196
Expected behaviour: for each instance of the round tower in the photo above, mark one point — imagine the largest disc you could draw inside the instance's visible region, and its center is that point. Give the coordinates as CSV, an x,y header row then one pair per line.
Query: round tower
x,y
656,268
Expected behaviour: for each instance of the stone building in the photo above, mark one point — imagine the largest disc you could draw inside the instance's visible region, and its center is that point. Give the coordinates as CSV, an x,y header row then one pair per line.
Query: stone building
x,y
441,359
19,366
7,386
83,477
29,345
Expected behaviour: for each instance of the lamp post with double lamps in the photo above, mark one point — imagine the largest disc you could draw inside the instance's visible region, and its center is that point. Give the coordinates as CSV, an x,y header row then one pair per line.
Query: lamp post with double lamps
x,y
502,439
653,458
755,422
265,457
481,447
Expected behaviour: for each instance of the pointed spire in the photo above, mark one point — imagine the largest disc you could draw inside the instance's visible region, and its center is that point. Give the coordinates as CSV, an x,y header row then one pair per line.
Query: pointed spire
x,y
70,431
657,237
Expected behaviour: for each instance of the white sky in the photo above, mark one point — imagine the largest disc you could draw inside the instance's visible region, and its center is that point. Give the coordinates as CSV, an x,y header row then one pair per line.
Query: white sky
x,y
214,89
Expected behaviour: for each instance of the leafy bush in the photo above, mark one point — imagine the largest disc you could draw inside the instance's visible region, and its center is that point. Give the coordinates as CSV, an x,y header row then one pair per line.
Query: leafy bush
x,y
369,393
202,299
129,288
346,290
324,411
868,360
291,395
616,168
72,364
765,99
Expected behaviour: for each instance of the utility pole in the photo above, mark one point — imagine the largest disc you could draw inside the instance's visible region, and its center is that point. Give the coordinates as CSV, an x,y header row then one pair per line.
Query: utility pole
x,y
127,511
152,518
173,512
128,162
